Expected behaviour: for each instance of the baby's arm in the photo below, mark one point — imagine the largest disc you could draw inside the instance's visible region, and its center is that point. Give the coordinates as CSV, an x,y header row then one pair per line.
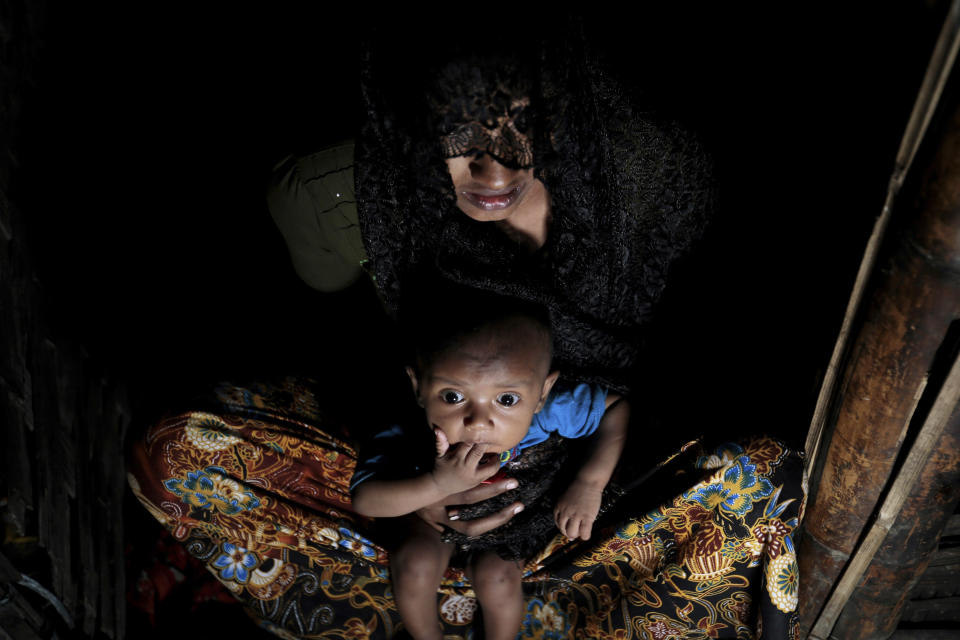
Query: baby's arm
x,y
578,507
389,498
456,469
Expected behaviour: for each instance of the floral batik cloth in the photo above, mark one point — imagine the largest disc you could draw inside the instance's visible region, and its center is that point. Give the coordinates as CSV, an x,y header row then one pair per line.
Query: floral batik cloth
x,y
255,484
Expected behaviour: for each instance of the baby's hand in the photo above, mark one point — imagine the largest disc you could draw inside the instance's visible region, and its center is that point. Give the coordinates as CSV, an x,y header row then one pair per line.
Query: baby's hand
x,y
459,467
577,509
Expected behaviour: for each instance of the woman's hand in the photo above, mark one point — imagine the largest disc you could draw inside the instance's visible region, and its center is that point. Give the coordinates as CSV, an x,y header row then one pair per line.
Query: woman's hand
x,y
437,516
577,509
460,467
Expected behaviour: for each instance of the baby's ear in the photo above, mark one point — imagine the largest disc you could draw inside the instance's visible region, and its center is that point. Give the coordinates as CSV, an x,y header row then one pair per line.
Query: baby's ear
x,y
415,383
547,386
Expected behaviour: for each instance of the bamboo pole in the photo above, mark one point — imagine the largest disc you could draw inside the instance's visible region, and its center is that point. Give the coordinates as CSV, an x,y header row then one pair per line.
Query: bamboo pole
x,y
938,69
909,303
875,608
929,435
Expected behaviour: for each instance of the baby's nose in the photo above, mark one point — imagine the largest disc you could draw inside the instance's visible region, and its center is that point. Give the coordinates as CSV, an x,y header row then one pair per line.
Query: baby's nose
x,y
477,418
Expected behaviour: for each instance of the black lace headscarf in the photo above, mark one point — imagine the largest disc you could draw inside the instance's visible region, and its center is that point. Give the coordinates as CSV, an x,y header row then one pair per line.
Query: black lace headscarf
x,y
630,191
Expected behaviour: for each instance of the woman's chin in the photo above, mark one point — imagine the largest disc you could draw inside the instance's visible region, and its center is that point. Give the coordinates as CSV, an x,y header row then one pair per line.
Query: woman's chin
x,y
481,214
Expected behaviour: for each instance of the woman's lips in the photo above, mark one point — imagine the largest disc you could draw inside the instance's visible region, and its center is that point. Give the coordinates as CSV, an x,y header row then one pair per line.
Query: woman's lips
x,y
492,200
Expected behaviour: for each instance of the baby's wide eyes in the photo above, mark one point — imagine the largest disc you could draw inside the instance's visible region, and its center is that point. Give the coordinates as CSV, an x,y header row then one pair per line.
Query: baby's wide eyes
x,y
451,397
508,399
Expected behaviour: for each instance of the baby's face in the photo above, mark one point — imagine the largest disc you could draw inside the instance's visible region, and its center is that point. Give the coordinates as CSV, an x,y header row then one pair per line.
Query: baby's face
x,y
486,389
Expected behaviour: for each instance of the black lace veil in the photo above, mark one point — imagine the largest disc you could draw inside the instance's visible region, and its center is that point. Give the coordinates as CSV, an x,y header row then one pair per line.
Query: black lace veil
x,y
630,191
482,104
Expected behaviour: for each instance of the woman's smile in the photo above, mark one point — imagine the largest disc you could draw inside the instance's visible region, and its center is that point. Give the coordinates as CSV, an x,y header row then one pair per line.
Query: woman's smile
x,y
493,200
488,191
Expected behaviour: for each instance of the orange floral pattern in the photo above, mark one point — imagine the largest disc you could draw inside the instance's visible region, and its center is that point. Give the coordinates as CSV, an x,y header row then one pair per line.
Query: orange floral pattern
x,y
257,487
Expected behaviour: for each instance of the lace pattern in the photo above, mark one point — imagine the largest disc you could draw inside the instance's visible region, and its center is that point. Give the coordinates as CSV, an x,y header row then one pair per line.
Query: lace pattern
x,y
631,192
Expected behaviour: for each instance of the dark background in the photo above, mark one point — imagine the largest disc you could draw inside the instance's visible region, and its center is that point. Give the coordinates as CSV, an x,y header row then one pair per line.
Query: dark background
x,y
147,138
153,127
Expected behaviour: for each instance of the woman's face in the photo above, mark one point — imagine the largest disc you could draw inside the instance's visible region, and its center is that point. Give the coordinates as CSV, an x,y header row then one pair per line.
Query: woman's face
x,y
488,191
488,145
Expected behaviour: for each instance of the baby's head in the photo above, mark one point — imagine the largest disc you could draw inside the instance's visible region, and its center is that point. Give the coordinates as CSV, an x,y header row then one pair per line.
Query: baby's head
x,y
482,365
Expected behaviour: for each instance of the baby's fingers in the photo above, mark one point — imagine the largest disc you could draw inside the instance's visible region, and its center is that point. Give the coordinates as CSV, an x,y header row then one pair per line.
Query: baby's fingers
x,y
489,468
475,453
442,443
561,521
573,524
585,528
467,453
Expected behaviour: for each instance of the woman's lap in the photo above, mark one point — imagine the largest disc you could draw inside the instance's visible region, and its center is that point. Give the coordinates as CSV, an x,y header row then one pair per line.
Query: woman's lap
x,y
255,484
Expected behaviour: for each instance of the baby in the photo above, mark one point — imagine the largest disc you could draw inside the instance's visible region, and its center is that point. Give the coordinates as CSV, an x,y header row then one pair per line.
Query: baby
x,y
483,377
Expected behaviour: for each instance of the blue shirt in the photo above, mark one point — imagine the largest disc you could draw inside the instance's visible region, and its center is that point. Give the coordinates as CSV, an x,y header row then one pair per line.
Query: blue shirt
x,y
571,414
398,453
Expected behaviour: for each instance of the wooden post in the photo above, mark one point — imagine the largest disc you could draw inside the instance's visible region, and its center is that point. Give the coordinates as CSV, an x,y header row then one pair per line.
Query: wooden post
x,y
914,297
877,604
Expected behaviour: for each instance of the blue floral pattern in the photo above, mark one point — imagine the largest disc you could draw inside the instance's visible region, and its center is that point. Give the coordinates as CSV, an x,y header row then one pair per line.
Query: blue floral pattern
x,y
739,488
351,541
210,488
235,563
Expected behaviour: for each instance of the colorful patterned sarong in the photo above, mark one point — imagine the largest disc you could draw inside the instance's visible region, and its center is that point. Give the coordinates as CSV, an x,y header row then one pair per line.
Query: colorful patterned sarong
x,y
255,485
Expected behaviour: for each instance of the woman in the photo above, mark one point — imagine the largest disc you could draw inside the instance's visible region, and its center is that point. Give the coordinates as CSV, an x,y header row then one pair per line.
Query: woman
x,y
531,174
591,200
